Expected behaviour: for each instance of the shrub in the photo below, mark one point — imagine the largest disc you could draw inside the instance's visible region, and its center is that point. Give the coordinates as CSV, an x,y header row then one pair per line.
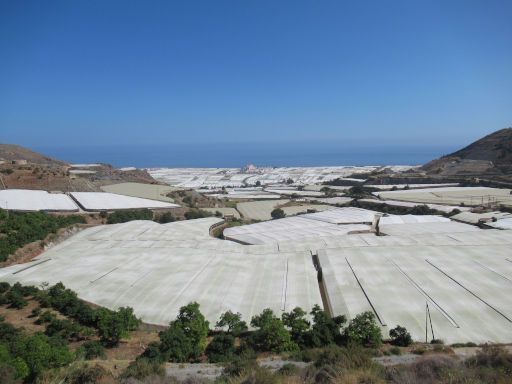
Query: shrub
x,y
35,312
395,351
4,287
15,299
350,357
197,214
325,329
45,317
166,217
271,334
363,330
400,336
142,368
186,337
419,350
239,365
87,374
492,356
114,326
298,325
277,213
129,215
93,349
221,348
289,369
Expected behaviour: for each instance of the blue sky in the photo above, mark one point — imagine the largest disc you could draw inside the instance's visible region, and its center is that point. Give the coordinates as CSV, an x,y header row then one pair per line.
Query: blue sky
x,y
146,72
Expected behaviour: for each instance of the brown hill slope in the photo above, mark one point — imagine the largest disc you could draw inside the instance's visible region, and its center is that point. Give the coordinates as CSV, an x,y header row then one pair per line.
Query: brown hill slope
x,y
43,172
491,155
11,152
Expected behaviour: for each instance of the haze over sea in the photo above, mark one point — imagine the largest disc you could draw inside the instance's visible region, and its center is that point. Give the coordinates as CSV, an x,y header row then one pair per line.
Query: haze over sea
x,y
239,154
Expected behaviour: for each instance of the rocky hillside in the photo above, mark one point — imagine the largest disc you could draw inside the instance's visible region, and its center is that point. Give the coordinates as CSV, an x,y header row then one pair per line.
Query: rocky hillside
x,y
23,168
10,152
491,155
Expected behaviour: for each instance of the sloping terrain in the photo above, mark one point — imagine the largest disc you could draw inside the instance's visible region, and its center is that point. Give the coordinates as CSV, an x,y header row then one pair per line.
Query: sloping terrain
x,y
12,152
491,155
38,171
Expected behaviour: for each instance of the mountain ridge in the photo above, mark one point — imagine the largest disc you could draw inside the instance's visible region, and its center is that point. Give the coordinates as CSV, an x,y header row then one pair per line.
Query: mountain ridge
x,y
489,155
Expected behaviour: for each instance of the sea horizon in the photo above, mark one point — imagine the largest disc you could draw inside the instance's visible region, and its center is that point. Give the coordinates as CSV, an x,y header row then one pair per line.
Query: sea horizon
x,y
230,155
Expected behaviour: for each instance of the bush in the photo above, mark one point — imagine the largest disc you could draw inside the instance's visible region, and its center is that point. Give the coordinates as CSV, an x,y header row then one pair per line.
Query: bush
x,y
400,336
65,329
221,348
45,317
129,215
325,329
15,299
289,369
363,330
92,350
4,287
239,366
186,337
142,368
87,375
114,326
492,356
175,345
277,213
297,324
395,351
197,214
271,334
350,357
165,217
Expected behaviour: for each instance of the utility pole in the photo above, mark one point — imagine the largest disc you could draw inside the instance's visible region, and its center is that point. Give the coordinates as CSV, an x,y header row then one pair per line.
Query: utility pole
x,y
426,322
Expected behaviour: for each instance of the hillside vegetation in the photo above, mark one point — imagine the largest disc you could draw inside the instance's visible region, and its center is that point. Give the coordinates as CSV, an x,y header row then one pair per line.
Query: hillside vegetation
x,y
18,229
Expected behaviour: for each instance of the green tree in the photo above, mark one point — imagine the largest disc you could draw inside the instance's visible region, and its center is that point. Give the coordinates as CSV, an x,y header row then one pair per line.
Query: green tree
x,y
186,337
325,329
195,326
400,336
271,334
277,213
175,345
364,330
110,327
221,348
233,321
298,325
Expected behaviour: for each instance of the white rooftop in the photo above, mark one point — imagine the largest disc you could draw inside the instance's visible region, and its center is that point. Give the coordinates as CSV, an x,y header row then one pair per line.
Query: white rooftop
x,y
99,201
157,268
467,288
35,200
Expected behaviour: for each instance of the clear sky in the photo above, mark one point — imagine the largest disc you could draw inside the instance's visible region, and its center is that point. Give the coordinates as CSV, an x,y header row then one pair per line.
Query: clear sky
x,y
146,72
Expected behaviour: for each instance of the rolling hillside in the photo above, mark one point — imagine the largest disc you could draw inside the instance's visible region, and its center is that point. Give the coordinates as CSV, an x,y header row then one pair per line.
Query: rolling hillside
x,y
491,155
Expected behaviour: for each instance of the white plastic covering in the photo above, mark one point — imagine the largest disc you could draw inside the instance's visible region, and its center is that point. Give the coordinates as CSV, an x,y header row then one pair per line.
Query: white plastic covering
x,y
34,200
157,268
98,201
467,288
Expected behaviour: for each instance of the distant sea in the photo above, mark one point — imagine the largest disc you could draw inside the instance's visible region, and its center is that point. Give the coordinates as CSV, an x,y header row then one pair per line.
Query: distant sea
x,y
237,155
